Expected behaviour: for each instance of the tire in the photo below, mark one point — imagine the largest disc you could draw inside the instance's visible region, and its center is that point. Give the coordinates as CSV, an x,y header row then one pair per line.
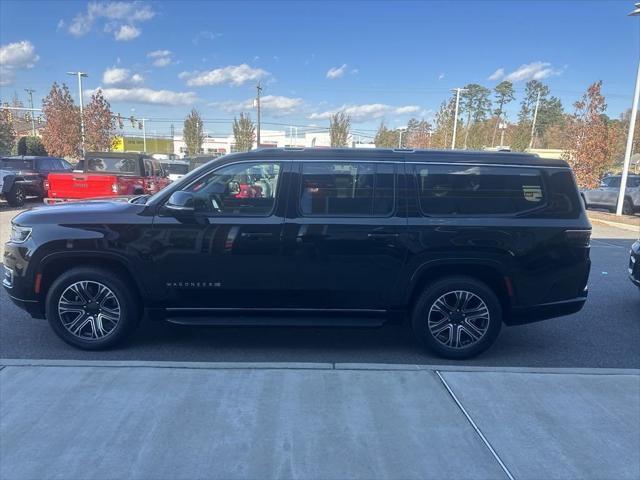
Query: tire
x,y
17,196
482,319
92,325
627,207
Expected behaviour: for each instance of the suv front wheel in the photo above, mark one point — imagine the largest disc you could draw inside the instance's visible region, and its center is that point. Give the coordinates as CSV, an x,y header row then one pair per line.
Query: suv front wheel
x,y
91,308
457,317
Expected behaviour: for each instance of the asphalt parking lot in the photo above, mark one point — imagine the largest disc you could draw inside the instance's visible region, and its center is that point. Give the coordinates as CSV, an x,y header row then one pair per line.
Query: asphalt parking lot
x,y
606,333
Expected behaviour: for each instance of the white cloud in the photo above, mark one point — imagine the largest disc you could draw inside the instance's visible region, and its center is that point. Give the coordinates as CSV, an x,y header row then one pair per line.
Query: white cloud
x,y
337,72
120,17
497,75
532,71
15,56
18,55
126,33
148,95
274,104
441,76
121,77
235,75
367,111
205,35
161,58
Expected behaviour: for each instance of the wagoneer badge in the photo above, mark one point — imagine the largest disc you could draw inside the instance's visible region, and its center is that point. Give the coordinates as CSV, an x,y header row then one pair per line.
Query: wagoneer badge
x,y
193,284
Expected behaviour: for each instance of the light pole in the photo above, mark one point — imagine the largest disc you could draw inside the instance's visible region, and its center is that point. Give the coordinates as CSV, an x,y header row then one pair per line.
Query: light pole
x,y
535,118
632,127
455,117
80,75
144,134
33,121
401,129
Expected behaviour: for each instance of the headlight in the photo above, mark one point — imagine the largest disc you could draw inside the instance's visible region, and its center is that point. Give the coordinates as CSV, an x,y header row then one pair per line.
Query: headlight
x,y
19,234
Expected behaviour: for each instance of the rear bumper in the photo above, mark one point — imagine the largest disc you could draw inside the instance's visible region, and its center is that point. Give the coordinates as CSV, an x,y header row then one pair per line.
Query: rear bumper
x,y
634,264
544,311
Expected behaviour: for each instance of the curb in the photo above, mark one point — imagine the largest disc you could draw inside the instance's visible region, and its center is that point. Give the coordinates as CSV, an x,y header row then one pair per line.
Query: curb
x,y
623,226
312,366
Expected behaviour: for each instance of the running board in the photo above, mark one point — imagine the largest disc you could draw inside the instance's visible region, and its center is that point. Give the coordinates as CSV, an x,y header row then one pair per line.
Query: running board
x,y
288,319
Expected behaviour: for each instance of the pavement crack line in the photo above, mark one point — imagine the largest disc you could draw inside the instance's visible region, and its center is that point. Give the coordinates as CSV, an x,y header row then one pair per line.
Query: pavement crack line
x,y
475,427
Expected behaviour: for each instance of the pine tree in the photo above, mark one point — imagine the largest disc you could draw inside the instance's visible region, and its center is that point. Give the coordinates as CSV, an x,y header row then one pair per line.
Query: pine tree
x,y
504,94
386,138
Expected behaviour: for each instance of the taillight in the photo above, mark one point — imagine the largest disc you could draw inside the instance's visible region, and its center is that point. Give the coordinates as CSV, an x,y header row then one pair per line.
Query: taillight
x,y
45,184
114,187
578,238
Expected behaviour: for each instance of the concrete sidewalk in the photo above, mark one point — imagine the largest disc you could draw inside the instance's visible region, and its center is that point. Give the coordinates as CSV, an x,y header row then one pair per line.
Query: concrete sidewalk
x,y
158,420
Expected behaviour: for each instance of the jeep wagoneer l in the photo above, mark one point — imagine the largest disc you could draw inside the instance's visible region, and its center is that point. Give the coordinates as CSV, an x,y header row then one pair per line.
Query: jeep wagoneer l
x,y
457,242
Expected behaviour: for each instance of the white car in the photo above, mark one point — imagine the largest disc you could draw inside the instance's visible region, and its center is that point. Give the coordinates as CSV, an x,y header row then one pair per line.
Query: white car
x,y
175,168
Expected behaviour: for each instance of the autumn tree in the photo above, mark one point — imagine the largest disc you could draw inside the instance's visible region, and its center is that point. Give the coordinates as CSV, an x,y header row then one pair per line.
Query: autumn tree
x,y
444,124
476,104
244,132
193,132
591,142
504,94
61,133
385,137
7,133
418,134
339,125
99,124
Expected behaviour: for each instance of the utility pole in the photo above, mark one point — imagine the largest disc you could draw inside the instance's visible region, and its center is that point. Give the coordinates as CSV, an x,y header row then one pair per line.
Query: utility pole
x,y
632,126
401,129
33,121
455,117
80,75
144,134
535,117
259,91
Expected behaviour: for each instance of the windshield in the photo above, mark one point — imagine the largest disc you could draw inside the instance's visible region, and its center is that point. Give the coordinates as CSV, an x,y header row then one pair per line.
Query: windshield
x,y
109,165
16,164
176,168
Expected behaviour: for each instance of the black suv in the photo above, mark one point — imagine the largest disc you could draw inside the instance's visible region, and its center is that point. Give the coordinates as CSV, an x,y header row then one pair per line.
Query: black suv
x,y
458,241
29,176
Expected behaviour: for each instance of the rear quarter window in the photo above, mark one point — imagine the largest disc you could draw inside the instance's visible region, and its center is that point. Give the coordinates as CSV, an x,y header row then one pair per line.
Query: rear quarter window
x,y
479,190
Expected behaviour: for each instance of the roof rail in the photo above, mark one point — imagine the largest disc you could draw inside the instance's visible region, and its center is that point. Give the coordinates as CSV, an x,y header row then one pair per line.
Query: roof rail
x,y
404,150
294,148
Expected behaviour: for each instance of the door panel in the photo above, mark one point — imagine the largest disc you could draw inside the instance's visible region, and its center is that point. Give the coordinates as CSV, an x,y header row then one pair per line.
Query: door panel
x,y
335,256
229,258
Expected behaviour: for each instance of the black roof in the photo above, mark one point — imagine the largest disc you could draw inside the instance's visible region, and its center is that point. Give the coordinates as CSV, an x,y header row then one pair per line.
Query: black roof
x,y
461,156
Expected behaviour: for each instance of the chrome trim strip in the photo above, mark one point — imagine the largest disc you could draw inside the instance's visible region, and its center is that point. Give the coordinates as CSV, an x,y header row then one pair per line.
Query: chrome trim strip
x,y
248,309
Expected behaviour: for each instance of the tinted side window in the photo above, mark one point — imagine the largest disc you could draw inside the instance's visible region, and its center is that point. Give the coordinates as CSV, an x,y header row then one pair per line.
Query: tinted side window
x,y
237,190
45,164
347,189
478,190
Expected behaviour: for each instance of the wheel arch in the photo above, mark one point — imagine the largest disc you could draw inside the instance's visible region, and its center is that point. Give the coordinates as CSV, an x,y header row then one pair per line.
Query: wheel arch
x,y
489,273
54,265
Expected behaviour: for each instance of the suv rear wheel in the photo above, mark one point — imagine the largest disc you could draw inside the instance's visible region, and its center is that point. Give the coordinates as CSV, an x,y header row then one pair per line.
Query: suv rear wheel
x,y
91,308
457,317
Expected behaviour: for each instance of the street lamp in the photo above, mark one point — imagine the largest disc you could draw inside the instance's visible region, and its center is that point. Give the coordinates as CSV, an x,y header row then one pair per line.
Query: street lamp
x,y
458,91
80,75
400,129
632,126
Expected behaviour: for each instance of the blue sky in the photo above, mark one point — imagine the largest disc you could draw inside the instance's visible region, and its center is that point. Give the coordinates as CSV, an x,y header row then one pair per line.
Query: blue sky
x,y
379,60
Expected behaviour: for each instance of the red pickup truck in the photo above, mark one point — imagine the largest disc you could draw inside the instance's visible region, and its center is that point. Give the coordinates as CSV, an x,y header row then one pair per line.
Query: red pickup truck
x,y
108,175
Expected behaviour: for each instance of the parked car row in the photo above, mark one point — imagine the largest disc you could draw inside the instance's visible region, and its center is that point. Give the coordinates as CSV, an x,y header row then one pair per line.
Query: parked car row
x,y
460,242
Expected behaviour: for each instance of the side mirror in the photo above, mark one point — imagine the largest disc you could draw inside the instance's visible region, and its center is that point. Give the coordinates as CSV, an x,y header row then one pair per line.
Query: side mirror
x,y
181,201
